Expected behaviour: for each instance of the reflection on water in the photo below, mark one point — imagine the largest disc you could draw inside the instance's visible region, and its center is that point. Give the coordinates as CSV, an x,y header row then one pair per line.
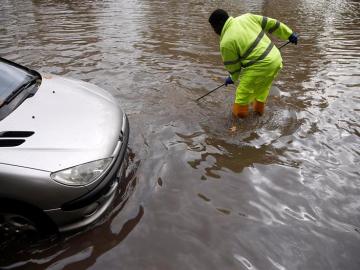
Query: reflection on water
x,y
279,193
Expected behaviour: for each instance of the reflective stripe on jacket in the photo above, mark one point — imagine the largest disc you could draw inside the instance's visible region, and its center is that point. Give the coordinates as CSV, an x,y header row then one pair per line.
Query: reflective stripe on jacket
x,y
244,43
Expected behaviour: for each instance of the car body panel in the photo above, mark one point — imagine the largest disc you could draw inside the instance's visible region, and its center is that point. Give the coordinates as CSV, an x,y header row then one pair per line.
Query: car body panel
x,y
76,123
35,187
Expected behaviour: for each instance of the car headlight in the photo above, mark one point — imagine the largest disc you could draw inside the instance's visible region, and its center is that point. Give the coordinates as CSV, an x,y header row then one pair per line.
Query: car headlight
x,y
82,174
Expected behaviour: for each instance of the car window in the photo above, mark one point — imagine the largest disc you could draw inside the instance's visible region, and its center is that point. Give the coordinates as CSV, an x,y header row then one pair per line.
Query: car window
x,y
11,78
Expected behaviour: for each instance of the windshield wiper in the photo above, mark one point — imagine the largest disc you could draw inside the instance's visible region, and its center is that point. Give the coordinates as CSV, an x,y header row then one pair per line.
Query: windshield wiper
x,y
18,90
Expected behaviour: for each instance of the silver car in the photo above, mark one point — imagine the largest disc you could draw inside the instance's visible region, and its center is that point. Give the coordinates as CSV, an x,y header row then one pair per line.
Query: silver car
x,y
63,144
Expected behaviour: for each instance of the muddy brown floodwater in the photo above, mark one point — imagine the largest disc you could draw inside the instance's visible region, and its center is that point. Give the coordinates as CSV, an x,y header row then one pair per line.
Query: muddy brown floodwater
x,y
282,192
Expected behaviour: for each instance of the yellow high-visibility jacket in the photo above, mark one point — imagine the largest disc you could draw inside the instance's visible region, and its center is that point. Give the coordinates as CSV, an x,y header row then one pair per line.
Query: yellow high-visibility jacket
x,y
245,47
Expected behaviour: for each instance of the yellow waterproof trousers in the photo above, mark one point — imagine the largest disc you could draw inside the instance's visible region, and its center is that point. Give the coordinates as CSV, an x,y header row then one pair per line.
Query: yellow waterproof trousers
x,y
255,86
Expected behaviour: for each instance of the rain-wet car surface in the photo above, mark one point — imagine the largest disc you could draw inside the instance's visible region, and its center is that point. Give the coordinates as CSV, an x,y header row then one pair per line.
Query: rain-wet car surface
x,y
63,145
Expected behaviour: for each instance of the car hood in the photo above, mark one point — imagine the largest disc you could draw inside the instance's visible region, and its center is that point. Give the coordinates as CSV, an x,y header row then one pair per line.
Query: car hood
x,y
74,122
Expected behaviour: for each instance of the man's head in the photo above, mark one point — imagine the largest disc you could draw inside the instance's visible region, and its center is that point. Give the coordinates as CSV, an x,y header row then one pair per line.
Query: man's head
x,y
217,20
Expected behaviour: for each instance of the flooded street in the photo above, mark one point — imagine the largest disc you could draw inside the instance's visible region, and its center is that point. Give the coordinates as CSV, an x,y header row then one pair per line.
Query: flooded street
x,y
282,192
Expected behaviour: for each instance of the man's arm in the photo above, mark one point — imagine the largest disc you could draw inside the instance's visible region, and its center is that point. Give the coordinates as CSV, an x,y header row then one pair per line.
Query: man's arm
x,y
231,61
273,26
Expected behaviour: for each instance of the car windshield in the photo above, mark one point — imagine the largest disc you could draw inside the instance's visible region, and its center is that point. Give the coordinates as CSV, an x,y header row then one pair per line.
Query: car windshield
x,y
11,79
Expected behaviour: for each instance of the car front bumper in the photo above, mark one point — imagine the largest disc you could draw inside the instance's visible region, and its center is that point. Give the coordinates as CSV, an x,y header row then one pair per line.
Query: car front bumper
x,y
88,208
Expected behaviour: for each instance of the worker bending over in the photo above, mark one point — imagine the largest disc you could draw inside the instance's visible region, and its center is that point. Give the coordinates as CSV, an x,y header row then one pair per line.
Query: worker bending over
x,y
248,54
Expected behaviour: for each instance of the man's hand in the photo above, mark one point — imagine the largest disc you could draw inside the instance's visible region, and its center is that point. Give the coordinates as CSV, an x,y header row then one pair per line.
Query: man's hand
x,y
293,38
228,80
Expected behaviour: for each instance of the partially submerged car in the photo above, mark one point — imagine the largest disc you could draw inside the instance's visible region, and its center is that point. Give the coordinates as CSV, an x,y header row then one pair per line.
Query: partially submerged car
x,y
63,144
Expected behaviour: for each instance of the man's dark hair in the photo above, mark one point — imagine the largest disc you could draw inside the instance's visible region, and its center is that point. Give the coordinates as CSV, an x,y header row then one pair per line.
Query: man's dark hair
x,y
217,20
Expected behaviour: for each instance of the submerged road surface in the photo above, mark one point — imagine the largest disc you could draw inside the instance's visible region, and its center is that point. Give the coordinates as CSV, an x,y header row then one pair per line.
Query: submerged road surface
x,y
282,192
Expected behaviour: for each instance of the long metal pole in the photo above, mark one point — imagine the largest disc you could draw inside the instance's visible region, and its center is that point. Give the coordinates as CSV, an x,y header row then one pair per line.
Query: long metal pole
x,y
210,92
284,45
